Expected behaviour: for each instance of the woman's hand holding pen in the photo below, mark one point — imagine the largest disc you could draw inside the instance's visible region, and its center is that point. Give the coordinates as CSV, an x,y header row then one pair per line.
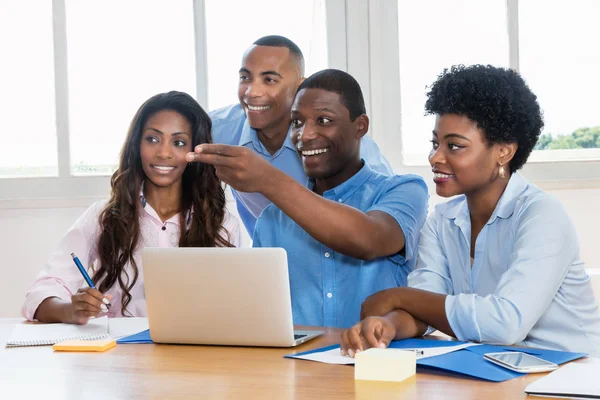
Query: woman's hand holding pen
x,y
87,303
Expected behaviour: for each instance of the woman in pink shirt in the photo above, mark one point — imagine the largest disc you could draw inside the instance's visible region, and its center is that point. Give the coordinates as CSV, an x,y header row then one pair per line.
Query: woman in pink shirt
x,y
157,200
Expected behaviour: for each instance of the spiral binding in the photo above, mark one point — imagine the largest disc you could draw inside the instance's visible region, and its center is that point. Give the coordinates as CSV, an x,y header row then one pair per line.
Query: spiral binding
x,y
24,343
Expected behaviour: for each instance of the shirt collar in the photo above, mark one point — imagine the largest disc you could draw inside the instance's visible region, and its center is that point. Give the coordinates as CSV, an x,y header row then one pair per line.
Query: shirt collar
x,y
154,214
504,209
344,190
249,136
512,193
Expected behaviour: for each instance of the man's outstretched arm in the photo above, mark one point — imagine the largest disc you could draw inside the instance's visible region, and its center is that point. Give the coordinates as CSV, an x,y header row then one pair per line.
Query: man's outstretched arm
x,y
340,227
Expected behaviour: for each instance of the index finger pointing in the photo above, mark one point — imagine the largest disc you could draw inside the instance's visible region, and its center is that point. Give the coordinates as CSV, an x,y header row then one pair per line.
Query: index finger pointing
x,y
212,148
213,159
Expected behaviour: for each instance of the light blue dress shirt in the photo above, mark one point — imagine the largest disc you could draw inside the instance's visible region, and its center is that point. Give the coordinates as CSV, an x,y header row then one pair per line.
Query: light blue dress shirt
x,y
229,126
527,285
327,287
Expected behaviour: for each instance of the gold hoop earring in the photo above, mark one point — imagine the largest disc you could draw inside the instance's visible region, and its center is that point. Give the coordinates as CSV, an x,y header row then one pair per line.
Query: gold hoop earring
x,y
501,172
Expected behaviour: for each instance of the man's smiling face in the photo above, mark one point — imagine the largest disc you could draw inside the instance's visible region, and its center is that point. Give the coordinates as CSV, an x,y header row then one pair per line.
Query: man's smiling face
x,y
325,137
269,78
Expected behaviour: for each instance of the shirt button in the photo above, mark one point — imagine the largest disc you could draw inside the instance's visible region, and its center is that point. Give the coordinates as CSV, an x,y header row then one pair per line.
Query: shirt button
x,y
327,254
329,295
164,228
340,200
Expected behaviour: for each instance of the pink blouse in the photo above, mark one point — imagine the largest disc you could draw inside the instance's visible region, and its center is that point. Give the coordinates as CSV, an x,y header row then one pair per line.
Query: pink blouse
x,y
61,278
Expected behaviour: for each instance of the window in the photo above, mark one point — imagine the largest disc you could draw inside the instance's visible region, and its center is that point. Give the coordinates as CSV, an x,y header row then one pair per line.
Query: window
x,y
78,71
302,21
458,32
27,95
74,73
120,53
555,54
559,58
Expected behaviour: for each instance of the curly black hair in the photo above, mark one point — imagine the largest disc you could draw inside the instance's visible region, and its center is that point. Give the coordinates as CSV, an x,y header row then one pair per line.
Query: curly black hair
x,y
497,99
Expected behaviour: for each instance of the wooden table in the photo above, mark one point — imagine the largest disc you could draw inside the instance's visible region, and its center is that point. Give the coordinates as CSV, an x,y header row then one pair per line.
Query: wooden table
x,y
147,371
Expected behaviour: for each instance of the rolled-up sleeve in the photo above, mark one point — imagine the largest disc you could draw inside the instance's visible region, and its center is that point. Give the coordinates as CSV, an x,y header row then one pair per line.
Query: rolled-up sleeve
x,y
546,245
405,200
60,277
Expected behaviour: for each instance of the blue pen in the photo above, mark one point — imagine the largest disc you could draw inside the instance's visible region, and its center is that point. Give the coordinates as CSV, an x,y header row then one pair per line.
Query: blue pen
x,y
87,277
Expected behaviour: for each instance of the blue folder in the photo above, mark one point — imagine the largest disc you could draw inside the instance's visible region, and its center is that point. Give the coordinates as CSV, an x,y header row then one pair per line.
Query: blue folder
x,y
470,361
137,338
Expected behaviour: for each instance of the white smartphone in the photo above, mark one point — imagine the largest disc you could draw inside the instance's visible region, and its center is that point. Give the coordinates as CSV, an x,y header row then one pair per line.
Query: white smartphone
x,y
520,362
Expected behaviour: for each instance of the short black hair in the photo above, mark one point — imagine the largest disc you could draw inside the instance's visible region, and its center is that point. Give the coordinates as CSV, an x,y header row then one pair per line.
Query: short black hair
x,y
282,41
342,83
497,99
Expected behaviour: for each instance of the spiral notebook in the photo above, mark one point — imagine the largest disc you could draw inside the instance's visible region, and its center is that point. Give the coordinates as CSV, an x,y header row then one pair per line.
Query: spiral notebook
x,y
49,334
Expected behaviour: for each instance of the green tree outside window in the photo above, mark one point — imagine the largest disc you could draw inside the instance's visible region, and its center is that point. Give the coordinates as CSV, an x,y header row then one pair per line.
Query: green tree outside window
x,y
582,138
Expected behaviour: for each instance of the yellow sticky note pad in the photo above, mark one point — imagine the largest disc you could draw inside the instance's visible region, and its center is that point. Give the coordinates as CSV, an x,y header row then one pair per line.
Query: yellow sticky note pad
x,y
392,365
85,345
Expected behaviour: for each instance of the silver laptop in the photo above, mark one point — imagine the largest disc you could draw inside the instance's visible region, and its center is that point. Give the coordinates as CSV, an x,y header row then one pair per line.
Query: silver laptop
x,y
220,296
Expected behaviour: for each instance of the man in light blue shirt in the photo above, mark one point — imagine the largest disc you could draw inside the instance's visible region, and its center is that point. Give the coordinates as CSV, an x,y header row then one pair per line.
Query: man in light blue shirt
x,y
352,231
272,68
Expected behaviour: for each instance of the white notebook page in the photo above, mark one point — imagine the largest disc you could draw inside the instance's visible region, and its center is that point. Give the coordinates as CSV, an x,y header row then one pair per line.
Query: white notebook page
x,y
48,334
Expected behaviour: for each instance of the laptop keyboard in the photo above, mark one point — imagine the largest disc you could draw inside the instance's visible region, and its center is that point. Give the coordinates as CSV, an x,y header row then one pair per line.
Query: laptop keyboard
x,y
297,336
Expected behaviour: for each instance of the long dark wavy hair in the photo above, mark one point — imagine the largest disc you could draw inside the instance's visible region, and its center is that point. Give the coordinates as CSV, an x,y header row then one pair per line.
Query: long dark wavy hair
x,y
201,192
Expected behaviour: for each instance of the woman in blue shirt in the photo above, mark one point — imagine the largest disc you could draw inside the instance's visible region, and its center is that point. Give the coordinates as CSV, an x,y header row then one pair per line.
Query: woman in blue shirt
x,y
499,263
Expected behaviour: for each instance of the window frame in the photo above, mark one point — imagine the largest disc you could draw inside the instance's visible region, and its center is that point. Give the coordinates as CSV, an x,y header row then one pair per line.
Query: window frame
x,y
385,103
68,190
362,38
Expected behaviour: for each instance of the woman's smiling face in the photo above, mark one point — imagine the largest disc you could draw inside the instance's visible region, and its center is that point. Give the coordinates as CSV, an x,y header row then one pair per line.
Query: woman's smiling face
x,y
462,160
166,139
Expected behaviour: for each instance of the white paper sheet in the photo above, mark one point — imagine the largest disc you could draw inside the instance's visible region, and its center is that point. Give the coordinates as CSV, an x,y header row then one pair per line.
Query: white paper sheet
x,y
334,356
574,380
121,327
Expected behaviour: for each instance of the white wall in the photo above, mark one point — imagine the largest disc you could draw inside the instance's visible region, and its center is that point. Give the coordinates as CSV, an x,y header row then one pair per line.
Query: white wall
x,y
29,235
